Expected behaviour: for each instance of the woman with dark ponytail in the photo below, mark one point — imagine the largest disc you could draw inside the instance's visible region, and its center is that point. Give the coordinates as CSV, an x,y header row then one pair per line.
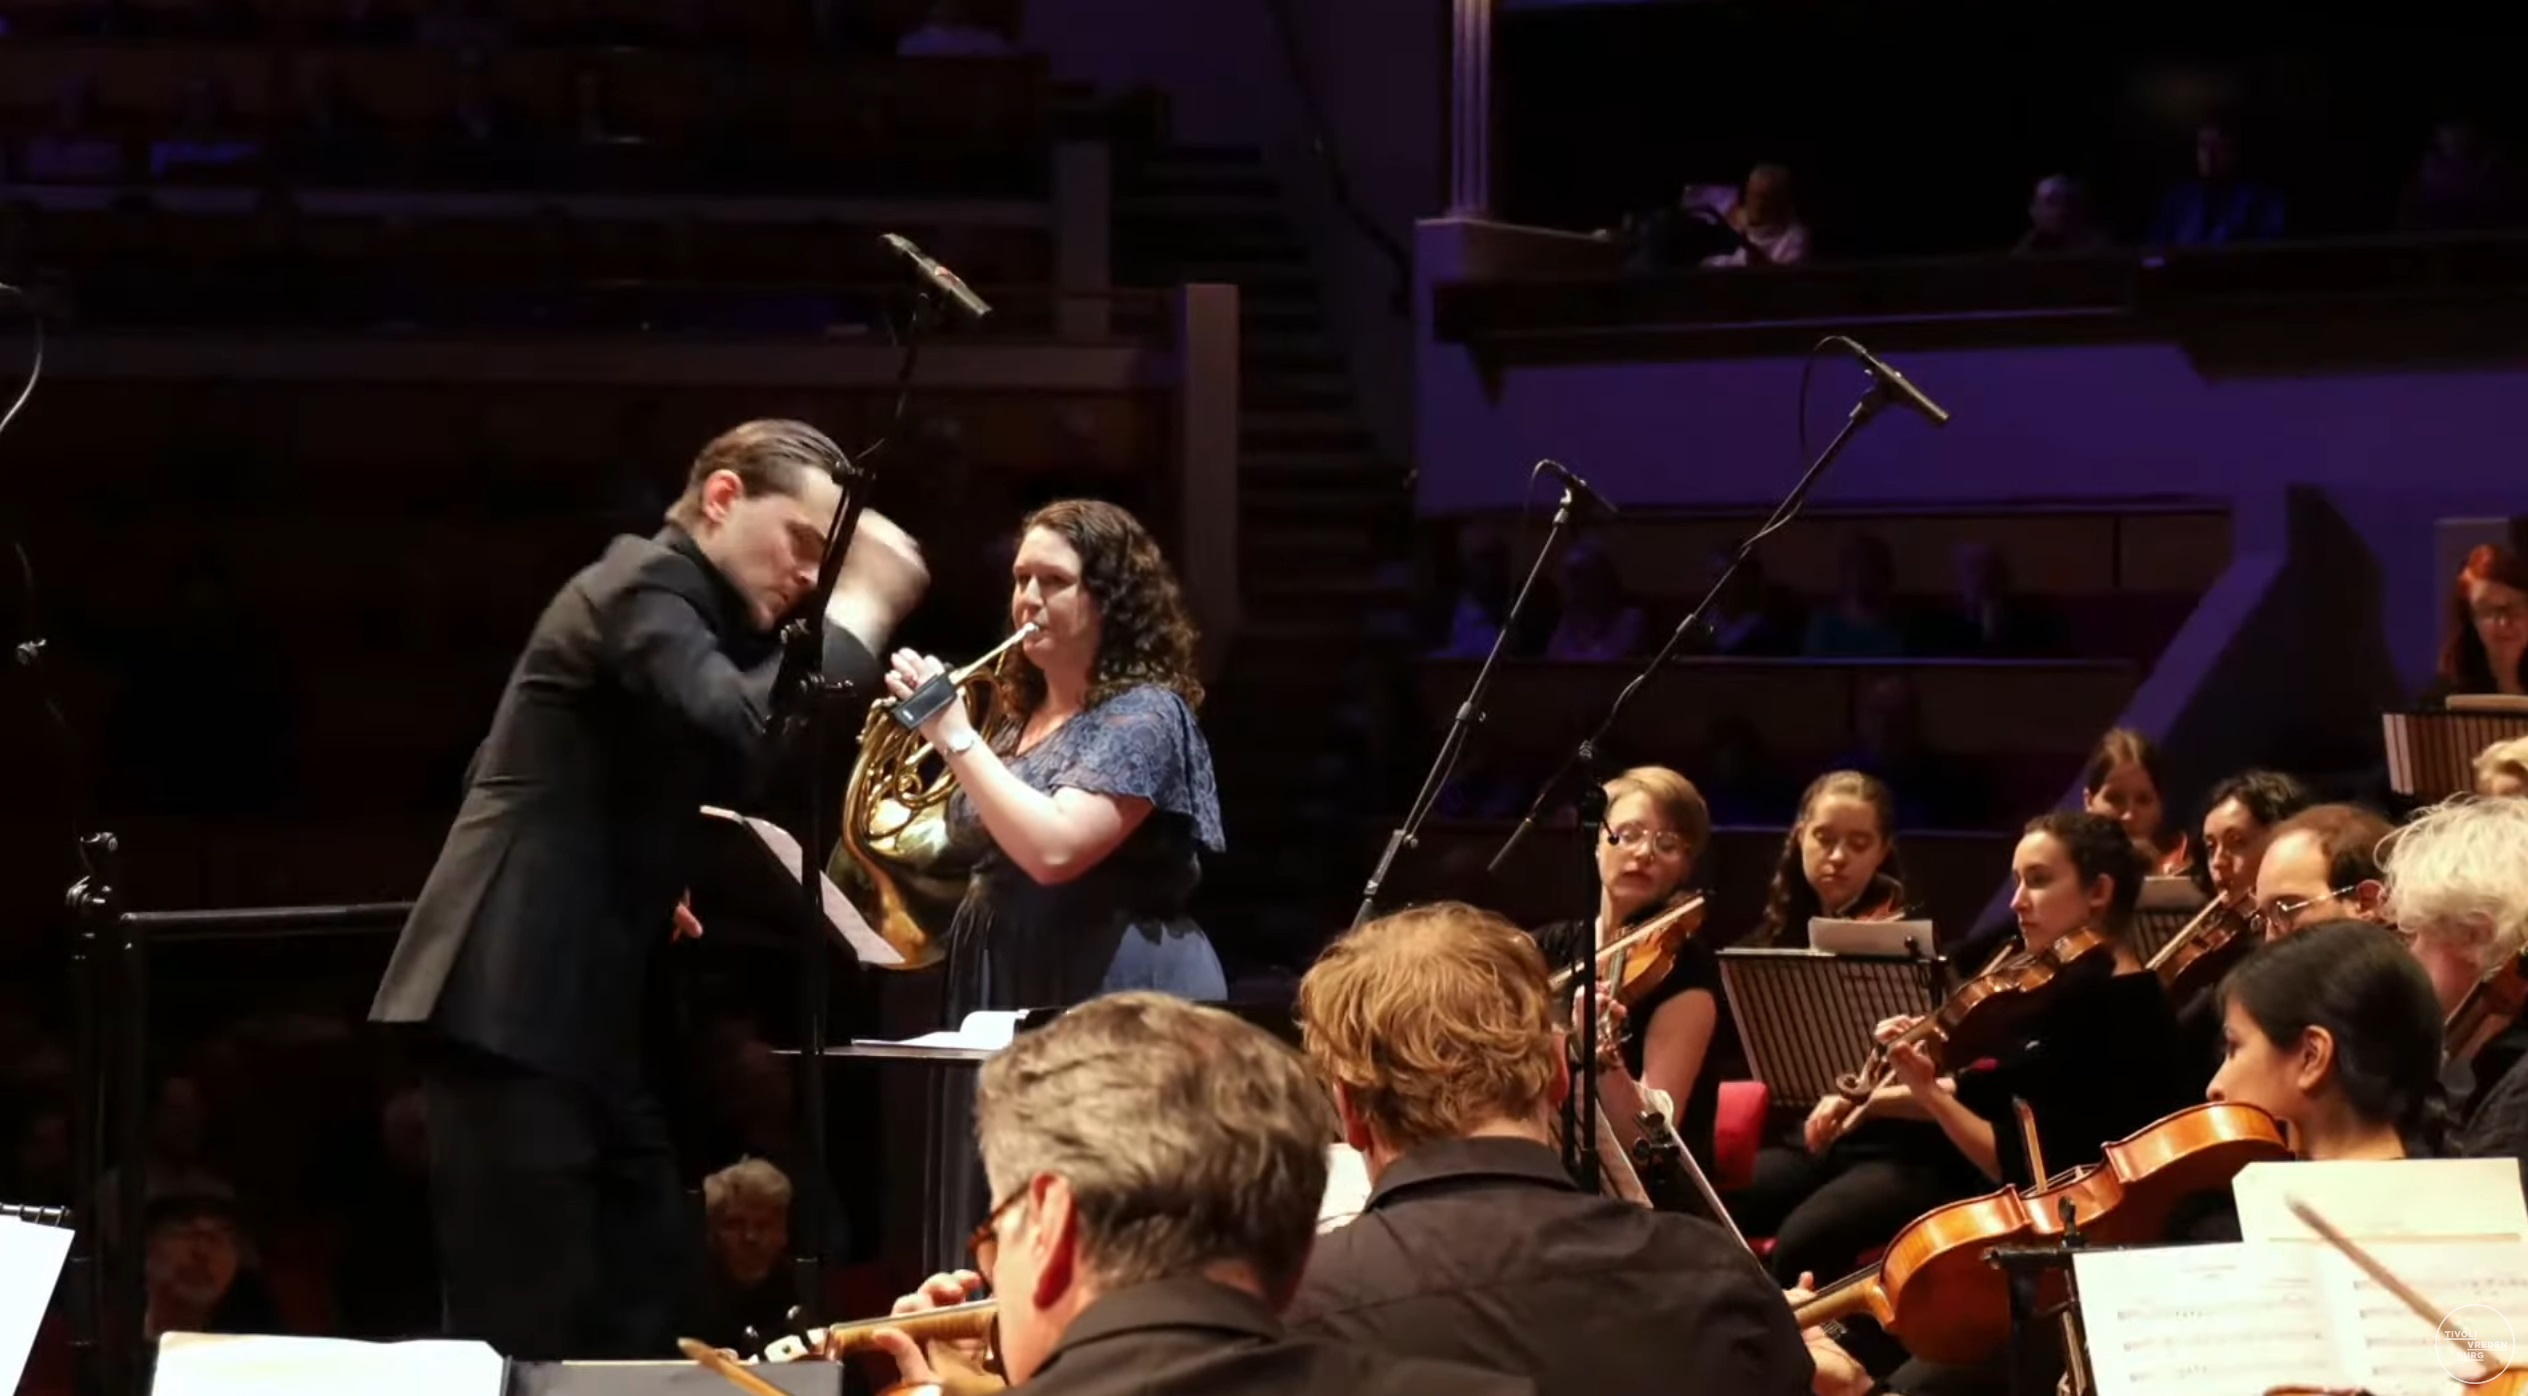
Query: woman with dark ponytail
x,y
1839,860
2336,1033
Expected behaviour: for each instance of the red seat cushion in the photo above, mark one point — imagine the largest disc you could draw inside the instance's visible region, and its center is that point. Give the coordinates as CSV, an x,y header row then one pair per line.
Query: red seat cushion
x,y
1737,1130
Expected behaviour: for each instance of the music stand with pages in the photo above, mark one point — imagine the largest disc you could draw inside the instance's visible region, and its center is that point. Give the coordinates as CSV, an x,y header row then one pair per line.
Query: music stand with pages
x,y
2431,756
1804,1016
750,873
2166,905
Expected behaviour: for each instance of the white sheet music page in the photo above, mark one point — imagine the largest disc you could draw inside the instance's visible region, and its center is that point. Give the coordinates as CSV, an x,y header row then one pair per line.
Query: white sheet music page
x,y
207,1364
1836,936
31,1258
2208,1321
983,1030
2441,1199
870,947
2480,1289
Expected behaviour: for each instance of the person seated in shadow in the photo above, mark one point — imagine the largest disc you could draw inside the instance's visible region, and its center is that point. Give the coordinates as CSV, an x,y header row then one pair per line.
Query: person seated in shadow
x,y
747,1295
1748,616
1742,782
194,1276
2061,221
1934,790
1989,618
1862,621
2221,204
1486,585
1598,622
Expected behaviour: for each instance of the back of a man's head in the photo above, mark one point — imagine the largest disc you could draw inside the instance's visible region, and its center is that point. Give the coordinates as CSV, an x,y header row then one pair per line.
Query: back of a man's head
x,y
768,456
1435,1023
1188,1138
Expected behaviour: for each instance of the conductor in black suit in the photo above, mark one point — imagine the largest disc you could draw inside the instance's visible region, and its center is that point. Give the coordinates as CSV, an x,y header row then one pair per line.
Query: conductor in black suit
x,y
642,694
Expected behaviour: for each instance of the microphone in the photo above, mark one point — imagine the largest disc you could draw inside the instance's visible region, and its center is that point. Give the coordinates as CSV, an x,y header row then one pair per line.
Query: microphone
x,y
1894,383
1578,487
942,280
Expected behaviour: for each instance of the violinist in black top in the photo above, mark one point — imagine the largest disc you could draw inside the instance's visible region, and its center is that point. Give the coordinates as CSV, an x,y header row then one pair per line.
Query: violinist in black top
x,y
1656,824
2101,1060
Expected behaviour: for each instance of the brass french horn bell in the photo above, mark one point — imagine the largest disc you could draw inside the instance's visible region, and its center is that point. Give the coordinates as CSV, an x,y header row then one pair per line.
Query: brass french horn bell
x,y
894,826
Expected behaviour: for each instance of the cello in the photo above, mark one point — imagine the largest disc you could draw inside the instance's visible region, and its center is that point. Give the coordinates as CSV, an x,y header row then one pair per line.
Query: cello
x,y
1933,1290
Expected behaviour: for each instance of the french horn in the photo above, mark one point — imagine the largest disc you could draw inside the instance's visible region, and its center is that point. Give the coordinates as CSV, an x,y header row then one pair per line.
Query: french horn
x,y
891,858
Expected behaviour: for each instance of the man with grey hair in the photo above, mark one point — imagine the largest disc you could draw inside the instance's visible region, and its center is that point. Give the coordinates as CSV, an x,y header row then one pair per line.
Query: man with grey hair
x,y
1158,1167
2457,884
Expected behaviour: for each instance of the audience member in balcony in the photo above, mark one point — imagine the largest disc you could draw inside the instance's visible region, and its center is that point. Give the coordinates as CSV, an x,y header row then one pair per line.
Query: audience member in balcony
x,y
1486,585
1990,618
746,1291
1749,615
2221,204
206,142
951,32
2125,781
2060,220
72,150
1742,782
1597,622
2486,635
2463,183
1766,219
2322,864
2501,770
1862,621
1934,790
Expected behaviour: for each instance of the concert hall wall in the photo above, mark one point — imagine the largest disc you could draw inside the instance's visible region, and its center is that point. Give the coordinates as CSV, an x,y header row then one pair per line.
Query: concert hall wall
x,y
2392,449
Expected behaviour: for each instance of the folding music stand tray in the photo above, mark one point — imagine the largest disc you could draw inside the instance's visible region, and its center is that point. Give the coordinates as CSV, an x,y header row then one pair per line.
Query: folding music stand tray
x,y
2431,756
1804,1016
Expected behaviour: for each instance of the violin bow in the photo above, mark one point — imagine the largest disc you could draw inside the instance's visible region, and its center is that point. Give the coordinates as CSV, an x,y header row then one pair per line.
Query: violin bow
x,y
722,1363
2411,1297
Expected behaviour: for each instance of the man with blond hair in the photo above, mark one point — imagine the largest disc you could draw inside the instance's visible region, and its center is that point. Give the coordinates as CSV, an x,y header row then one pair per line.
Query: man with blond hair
x,y
1158,1167
2457,884
1436,1029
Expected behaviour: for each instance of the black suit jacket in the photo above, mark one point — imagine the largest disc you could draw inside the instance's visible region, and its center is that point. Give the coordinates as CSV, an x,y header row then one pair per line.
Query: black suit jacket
x,y
642,694
1481,1251
1192,1337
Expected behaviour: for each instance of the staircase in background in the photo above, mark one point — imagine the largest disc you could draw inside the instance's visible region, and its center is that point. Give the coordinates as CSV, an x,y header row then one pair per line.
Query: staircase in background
x,y
1323,533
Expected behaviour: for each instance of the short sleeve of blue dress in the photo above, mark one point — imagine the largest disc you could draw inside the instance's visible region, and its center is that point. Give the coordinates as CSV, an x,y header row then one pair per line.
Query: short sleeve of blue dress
x,y
1122,924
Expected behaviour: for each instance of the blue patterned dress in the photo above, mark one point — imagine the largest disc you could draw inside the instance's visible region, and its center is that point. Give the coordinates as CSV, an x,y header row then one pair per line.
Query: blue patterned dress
x,y
1015,943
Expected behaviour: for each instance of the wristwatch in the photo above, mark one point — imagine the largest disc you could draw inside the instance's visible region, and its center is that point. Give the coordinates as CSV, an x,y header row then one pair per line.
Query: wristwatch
x,y
960,744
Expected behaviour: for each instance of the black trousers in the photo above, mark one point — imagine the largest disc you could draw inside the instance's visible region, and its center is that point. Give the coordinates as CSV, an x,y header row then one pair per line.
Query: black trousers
x,y
563,1231
1825,1211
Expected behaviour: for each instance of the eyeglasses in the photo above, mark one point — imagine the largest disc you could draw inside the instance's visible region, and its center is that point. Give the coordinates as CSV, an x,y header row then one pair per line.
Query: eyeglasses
x,y
985,1242
2500,612
2281,918
1661,841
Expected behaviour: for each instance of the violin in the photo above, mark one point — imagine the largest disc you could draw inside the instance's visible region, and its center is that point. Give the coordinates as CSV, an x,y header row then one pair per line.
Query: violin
x,y
1642,959
2492,1004
1985,1014
1936,1294
2197,956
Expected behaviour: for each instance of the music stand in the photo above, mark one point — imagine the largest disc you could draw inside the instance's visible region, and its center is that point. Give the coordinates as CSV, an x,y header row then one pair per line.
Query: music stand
x,y
1805,1017
749,872
2167,904
2431,756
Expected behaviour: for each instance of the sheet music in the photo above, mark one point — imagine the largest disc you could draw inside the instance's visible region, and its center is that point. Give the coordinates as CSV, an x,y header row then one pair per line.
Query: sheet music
x,y
1836,936
2482,1286
983,1032
31,1258
1347,1187
206,1364
2206,1321
2402,1200
866,944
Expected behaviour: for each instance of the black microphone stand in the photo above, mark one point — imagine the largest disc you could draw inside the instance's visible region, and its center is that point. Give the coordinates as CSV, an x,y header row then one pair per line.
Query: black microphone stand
x,y
803,701
1469,713
1580,1106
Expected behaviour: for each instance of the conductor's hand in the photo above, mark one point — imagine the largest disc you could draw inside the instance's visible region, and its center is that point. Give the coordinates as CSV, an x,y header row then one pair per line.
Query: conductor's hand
x,y
688,925
1825,1123
950,726
883,577
917,1363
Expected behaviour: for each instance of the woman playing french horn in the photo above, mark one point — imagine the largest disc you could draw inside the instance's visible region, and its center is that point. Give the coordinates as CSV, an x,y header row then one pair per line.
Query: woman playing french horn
x,y
1085,808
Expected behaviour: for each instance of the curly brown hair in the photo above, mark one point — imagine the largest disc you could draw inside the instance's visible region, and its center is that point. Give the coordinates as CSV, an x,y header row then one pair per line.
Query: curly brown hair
x,y
1147,634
